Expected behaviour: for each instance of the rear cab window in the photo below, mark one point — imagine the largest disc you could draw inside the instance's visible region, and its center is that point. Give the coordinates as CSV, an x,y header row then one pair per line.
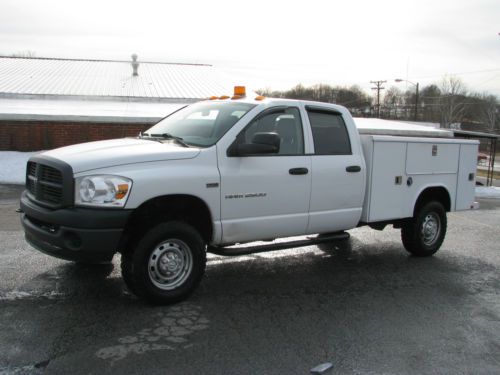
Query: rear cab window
x,y
329,132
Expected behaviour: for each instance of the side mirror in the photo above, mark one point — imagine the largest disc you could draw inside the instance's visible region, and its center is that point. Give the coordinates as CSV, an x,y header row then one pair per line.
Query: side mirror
x,y
262,144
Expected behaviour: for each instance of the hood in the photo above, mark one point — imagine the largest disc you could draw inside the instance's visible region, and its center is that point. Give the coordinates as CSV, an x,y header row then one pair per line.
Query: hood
x,y
102,154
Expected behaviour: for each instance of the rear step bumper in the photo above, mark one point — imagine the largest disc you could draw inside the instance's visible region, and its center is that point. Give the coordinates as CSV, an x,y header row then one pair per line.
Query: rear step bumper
x,y
249,249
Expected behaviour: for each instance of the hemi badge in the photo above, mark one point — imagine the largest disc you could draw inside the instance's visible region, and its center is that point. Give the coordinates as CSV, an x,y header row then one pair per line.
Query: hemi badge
x,y
212,185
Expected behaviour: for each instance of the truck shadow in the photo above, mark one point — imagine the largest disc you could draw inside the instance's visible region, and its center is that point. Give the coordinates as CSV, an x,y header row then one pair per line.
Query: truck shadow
x,y
74,281
345,267
349,267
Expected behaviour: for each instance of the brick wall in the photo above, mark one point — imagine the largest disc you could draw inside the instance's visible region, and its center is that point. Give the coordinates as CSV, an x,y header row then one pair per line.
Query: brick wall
x,y
42,135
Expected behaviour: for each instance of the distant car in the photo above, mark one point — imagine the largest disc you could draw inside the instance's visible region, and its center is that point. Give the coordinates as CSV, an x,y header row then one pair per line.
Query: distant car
x,y
482,158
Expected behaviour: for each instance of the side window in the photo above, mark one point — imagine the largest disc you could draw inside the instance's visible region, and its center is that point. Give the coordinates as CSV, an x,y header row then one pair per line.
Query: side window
x,y
286,123
329,133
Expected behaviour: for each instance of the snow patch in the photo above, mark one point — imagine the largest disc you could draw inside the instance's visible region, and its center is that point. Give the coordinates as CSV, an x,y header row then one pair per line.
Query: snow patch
x,y
488,192
19,295
13,166
30,369
171,331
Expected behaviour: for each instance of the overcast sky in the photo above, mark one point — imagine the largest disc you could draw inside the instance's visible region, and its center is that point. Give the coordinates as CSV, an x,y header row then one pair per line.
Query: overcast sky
x,y
270,43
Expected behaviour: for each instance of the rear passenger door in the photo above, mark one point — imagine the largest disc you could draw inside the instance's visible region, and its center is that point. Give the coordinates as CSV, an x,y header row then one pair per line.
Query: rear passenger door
x,y
337,173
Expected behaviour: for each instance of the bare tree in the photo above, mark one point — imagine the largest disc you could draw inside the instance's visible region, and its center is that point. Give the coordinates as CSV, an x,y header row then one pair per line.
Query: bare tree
x,y
393,101
26,53
452,101
448,102
351,97
430,103
488,111
300,92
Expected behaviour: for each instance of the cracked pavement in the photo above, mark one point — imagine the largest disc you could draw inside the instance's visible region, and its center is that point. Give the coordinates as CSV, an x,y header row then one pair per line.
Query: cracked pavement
x,y
363,304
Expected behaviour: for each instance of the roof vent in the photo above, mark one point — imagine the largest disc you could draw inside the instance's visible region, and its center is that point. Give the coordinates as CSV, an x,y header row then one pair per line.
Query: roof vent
x,y
135,65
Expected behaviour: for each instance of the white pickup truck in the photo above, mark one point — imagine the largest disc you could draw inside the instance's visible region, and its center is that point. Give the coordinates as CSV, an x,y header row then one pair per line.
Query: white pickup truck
x,y
229,171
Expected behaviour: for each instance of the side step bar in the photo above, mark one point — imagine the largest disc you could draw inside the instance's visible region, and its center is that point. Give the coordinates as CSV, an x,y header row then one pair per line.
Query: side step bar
x,y
245,250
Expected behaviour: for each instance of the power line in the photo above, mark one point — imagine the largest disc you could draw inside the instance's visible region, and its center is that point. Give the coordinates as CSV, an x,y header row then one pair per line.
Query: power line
x,y
487,80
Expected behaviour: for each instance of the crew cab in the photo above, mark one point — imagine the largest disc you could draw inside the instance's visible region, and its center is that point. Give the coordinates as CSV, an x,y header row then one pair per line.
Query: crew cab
x,y
217,175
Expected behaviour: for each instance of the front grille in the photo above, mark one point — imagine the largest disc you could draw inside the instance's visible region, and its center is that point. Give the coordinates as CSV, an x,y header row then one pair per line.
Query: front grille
x,y
49,174
45,183
32,168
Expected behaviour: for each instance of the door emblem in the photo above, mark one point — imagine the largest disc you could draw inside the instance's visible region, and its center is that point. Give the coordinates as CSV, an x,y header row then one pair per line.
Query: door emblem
x,y
246,195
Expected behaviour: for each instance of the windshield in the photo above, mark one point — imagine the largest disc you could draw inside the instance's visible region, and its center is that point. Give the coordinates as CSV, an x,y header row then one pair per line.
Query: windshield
x,y
201,124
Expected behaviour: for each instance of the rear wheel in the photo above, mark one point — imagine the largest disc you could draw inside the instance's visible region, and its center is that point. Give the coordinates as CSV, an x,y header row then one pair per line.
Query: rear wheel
x,y
424,234
166,264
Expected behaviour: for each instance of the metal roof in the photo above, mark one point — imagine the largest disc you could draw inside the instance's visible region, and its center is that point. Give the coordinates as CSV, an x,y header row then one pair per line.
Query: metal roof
x,y
108,78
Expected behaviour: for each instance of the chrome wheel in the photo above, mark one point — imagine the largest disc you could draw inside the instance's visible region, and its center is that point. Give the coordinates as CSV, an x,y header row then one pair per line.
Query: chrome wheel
x,y
170,264
431,228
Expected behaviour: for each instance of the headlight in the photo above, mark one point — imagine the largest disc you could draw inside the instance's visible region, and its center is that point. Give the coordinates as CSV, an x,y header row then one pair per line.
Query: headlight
x,y
102,191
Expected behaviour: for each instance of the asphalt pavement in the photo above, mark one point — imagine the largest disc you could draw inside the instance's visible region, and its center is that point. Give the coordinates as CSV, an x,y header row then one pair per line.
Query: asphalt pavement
x,y
364,305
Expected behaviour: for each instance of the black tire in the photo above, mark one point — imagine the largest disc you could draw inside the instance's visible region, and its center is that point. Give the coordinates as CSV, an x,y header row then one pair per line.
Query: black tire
x,y
424,234
166,264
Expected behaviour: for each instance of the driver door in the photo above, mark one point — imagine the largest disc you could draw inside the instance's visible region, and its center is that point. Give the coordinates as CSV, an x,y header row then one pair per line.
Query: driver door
x,y
267,196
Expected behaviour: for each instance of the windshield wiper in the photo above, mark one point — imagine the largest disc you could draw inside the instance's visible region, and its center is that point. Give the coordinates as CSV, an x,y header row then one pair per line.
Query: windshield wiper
x,y
179,140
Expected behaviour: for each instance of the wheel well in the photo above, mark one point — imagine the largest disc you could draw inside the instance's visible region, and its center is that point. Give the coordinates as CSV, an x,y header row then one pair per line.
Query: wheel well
x,y
437,193
187,208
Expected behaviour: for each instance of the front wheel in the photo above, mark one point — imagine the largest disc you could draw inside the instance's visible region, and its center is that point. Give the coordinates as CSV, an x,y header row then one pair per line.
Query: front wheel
x,y
166,264
423,235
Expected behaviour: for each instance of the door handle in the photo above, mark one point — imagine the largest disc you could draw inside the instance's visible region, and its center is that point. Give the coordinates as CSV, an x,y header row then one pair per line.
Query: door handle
x,y
353,168
296,171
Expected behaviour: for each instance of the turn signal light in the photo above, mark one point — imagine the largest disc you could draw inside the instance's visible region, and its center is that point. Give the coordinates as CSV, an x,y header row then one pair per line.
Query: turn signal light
x,y
223,97
122,191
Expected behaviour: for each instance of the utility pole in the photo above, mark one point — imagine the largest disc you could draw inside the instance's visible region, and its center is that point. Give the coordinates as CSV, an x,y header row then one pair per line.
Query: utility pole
x,y
416,103
378,87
